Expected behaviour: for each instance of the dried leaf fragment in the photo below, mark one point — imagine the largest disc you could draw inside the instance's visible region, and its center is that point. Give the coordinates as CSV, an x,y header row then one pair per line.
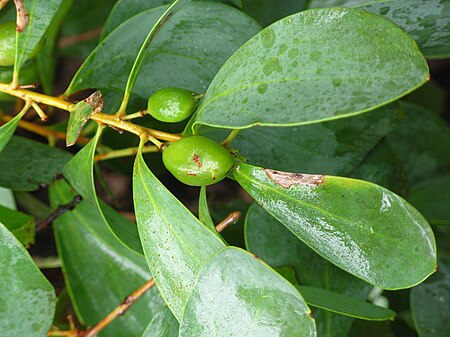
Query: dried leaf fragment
x,y
287,179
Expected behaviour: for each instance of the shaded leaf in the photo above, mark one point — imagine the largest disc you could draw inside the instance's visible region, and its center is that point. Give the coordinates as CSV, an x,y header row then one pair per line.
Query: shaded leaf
x,y
176,244
429,303
40,16
30,164
28,299
269,11
432,198
19,224
301,70
371,329
426,21
7,198
203,212
164,324
422,142
359,226
383,167
249,299
100,271
276,245
182,55
344,305
79,171
333,147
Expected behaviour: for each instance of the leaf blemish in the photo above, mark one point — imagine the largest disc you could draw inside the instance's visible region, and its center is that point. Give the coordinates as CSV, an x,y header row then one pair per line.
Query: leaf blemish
x,y
287,179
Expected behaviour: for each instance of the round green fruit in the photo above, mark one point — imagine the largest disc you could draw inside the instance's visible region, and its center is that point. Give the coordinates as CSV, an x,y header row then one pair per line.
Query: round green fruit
x,y
197,161
7,43
171,105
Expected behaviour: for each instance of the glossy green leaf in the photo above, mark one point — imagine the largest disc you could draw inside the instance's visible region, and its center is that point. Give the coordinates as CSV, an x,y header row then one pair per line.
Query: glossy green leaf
x,y
30,164
182,55
237,295
359,226
426,21
100,272
126,9
203,212
79,116
422,142
308,68
176,244
164,324
79,171
139,59
266,237
7,130
432,197
40,15
383,167
333,147
344,305
19,224
27,298
429,303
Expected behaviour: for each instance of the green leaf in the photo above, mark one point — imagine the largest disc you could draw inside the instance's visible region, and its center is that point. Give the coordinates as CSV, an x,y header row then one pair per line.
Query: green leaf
x,y
30,164
27,298
371,329
317,65
164,324
344,305
7,198
139,59
266,237
19,224
203,212
426,21
79,116
40,15
100,272
176,244
237,295
429,303
79,171
182,55
333,147
422,141
7,130
361,227
269,11
432,197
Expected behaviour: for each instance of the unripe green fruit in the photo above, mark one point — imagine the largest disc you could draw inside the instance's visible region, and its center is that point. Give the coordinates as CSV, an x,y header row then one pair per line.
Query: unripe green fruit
x,y
7,43
197,161
171,105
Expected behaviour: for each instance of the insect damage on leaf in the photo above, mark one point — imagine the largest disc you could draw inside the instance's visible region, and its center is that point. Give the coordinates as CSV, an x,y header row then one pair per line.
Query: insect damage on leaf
x,y
96,100
287,179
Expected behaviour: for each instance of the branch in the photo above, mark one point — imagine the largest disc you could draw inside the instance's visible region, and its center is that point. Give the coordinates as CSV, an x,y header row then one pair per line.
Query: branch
x,y
131,151
231,219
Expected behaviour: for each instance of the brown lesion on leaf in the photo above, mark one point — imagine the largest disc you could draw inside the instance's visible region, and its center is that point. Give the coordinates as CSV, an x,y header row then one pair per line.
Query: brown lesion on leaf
x,y
96,100
287,179
22,16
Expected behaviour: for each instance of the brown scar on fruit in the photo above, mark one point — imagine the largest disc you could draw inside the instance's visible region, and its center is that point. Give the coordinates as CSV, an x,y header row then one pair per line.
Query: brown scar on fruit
x,y
197,160
287,179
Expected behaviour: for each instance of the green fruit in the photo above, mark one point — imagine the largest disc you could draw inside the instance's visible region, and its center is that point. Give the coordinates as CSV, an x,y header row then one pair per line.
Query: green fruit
x,y
171,105
197,161
7,43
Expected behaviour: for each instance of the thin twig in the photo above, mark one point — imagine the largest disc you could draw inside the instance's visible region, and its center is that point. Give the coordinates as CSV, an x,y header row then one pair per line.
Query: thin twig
x,y
41,130
131,151
86,36
59,211
3,3
231,219
120,310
